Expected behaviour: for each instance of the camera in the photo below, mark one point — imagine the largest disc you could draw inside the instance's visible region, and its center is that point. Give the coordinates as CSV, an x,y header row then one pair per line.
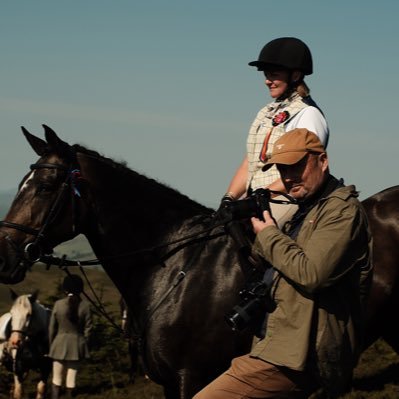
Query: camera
x,y
256,302
253,205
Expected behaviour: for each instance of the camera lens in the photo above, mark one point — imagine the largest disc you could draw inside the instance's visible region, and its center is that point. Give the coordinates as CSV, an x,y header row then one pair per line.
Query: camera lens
x,y
238,319
244,314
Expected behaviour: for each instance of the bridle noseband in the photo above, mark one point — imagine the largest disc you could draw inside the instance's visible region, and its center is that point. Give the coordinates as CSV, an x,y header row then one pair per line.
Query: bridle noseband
x,y
33,251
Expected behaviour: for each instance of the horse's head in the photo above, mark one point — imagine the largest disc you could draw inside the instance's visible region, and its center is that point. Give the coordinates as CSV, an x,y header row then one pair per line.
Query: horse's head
x,y
21,317
42,214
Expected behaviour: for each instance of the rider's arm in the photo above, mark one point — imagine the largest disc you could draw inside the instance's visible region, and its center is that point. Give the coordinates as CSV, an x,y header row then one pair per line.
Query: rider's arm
x,y
238,184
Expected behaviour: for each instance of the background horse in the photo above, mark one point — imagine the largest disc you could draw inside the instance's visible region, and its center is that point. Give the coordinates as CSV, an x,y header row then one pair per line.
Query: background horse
x,y
5,332
27,345
383,214
177,291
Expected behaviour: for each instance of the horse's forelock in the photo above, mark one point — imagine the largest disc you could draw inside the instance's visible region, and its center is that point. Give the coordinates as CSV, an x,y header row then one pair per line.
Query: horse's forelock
x,y
22,307
22,304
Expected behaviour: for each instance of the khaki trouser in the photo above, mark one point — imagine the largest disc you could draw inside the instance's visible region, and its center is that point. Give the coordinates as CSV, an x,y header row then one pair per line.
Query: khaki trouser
x,y
252,378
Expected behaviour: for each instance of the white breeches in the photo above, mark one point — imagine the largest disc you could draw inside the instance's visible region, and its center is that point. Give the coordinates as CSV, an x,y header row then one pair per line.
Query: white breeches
x,y
67,368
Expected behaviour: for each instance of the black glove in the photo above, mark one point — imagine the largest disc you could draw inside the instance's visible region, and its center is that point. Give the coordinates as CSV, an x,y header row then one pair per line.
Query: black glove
x,y
223,213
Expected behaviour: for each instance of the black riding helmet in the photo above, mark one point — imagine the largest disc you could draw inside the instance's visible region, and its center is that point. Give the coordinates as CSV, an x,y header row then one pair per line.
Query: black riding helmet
x,y
73,284
288,52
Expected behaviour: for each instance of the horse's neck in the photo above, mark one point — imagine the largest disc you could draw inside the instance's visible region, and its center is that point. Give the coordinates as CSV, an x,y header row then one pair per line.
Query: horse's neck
x,y
128,213
40,320
131,210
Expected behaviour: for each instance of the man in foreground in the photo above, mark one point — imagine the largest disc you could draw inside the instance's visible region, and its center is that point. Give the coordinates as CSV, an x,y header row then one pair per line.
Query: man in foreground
x,y
322,272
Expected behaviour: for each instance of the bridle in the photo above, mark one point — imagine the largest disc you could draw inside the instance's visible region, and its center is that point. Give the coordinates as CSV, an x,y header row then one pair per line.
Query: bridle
x,y
33,251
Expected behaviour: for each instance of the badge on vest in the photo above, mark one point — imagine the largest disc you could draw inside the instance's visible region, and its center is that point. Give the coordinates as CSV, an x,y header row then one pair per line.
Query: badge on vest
x,y
280,118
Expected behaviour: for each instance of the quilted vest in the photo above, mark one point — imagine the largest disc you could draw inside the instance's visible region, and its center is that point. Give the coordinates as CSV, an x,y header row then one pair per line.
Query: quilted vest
x,y
266,129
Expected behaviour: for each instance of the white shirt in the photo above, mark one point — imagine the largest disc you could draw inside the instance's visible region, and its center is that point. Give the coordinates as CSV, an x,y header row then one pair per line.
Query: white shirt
x,y
312,119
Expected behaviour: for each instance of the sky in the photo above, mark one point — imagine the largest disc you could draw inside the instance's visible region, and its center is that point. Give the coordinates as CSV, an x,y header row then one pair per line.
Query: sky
x,y
165,86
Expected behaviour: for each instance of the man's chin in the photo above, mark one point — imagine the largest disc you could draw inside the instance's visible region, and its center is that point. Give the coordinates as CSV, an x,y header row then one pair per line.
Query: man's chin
x,y
296,192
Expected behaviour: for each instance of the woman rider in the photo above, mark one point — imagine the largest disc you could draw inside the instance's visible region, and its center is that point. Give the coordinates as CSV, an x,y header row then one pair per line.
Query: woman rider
x,y
285,62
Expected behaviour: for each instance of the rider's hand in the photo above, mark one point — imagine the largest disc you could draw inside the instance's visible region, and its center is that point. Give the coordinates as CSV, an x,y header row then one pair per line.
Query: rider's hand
x,y
259,225
222,212
228,197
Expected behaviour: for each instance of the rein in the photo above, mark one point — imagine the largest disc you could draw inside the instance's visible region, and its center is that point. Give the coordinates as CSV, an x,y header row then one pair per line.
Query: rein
x,y
139,336
187,240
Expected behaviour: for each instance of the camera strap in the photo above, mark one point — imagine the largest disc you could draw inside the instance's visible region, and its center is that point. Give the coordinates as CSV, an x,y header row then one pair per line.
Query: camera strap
x,y
268,281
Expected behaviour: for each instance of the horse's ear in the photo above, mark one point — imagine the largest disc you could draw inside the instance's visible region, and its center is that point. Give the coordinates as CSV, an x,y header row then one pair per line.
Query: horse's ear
x,y
13,294
38,145
33,296
55,143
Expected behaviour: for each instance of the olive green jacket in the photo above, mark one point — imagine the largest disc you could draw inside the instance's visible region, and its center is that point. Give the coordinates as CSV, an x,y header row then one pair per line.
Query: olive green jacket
x,y
317,286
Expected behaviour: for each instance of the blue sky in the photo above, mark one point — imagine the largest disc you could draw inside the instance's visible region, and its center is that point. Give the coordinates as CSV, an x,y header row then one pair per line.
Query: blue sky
x,y
165,85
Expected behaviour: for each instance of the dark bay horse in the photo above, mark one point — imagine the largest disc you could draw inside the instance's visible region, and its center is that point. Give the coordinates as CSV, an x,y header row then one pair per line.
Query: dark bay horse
x,y
26,344
178,293
383,214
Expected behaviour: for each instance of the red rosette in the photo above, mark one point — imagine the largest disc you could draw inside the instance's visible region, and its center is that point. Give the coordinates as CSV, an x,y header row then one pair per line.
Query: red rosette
x,y
280,118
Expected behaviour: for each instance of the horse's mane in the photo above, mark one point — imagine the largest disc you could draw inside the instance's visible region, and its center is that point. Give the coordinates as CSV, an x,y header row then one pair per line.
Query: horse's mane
x,y
124,170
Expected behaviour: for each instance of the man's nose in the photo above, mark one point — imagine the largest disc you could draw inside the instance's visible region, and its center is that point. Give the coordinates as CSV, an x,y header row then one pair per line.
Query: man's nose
x,y
288,178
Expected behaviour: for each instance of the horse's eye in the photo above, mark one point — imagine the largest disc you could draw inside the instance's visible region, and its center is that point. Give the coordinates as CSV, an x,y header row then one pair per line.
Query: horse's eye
x,y
44,188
